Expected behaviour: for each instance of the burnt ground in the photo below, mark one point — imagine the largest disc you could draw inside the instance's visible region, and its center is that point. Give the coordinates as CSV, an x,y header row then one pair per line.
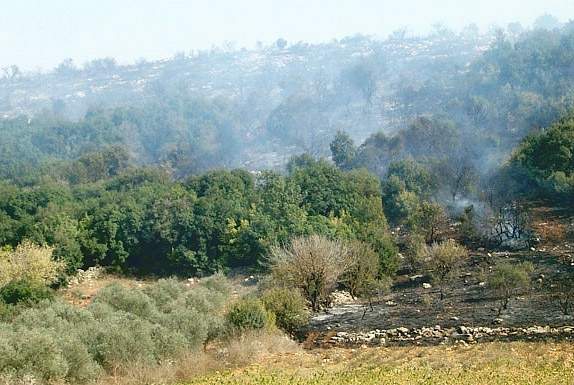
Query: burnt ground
x,y
469,301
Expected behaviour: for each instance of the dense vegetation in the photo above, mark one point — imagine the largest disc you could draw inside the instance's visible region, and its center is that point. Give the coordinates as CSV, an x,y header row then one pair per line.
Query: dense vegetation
x,y
148,189
55,341
138,220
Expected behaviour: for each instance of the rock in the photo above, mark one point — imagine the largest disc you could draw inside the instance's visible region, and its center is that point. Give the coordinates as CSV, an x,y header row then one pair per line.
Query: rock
x,y
403,330
341,297
462,330
482,284
391,303
427,285
454,318
498,321
415,277
481,249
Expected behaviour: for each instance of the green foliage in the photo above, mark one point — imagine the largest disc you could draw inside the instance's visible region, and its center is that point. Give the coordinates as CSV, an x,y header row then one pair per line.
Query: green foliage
x,y
140,221
508,280
443,261
343,150
56,342
288,306
549,157
249,314
415,252
361,276
24,291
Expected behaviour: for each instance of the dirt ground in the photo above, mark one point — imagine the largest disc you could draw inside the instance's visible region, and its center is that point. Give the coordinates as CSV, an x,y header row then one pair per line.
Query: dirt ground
x,y
469,301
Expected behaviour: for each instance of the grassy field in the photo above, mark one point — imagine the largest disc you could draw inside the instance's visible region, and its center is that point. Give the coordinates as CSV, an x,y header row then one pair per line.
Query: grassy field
x,y
493,363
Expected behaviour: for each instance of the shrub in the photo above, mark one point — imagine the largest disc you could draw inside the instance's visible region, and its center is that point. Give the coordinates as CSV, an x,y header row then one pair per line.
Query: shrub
x,y
288,306
128,300
192,324
415,252
249,314
29,262
24,291
121,340
36,353
164,291
363,278
508,280
54,342
443,261
562,292
312,264
430,218
363,269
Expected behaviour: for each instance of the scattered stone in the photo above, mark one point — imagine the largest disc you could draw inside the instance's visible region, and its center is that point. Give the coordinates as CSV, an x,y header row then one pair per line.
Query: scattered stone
x,y
341,297
454,318
482,284
498,321
391,303
415,277
460,335
427,285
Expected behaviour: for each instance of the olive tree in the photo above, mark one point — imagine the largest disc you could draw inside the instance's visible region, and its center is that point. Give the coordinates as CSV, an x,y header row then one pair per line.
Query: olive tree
x,y
562,292
443,262
508,280
363,277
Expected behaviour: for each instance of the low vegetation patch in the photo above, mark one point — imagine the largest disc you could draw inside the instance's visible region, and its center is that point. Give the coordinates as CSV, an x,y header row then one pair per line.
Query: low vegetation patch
x,y
496,363
53,341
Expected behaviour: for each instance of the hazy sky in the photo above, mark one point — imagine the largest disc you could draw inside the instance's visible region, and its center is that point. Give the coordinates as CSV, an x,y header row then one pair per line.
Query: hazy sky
x,y
41,33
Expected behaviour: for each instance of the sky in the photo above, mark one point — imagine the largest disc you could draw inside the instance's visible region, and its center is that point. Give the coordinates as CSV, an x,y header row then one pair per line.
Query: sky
x,y
39,34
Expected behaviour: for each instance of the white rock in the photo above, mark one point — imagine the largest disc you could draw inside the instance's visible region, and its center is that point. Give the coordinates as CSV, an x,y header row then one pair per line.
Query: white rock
x,y
427,285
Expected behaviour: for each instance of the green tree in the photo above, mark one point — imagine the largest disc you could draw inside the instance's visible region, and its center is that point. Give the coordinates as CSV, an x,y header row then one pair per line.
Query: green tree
x,y
343,150
508,280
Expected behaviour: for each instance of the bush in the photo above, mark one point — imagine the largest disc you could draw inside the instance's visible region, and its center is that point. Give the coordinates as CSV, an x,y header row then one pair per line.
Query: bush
x,y
121,340
288,306
54,342
562,291
312,264
29,262
363,270
36,353
25,292
443,261
508,280
128,300
415,252
249,314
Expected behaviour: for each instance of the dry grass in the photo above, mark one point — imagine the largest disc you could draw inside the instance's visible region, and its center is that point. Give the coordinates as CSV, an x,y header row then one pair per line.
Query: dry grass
x,y
82,294
229,355
494,363
550,224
